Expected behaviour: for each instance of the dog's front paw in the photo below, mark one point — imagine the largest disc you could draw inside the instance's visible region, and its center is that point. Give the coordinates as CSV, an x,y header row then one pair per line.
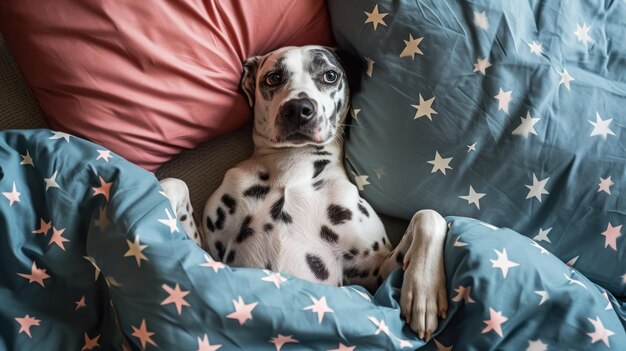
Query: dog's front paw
x,y
424,297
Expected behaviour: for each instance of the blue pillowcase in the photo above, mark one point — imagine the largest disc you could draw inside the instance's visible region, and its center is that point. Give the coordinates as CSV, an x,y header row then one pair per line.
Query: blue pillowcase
x,y
511,112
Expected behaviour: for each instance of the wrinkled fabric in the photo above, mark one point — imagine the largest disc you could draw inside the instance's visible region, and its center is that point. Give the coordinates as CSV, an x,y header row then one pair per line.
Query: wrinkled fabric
x,y
101,229
511,112
149,79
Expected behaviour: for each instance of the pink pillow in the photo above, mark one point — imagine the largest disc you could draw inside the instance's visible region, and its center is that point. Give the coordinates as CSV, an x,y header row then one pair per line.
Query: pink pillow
x,y
148,79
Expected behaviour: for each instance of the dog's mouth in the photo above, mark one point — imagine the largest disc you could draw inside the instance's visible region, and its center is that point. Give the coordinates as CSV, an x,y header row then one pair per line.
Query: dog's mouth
x,y
303,134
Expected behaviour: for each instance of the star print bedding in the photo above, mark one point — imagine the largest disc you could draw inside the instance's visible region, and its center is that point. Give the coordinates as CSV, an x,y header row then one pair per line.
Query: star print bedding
x,y
511,112
93,258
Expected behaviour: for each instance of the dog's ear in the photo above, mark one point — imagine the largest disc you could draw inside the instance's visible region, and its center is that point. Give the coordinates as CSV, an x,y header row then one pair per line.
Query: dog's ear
x,y
248,77
352,65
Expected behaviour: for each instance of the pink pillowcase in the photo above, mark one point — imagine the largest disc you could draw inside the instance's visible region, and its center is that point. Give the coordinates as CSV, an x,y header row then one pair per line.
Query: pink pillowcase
x,y
148,79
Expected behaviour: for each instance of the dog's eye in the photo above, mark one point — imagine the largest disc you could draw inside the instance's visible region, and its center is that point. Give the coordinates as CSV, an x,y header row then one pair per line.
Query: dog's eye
x,y
330,76
274,78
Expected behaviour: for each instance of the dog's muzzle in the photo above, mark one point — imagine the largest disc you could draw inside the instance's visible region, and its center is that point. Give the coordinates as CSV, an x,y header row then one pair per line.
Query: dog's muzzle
x,y
297,121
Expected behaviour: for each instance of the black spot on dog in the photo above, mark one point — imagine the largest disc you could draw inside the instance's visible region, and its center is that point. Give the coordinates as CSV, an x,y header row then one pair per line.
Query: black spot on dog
x,y
318,167
268,265
375,272
400,258
209,224
338,214
366,253
277,212
264,176
318,184
183,218
364,274
231,257
323,153
338,106
351,272
221,217
347,256
220,249
230,203
329,235
257,191
384,241
187,206
245,231
375,246
379,280
267,227
363,210
354,251
317,266
303,95
195,235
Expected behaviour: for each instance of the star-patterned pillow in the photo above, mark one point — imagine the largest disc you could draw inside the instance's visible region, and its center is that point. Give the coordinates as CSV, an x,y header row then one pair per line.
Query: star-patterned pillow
x,y
93,258
511,112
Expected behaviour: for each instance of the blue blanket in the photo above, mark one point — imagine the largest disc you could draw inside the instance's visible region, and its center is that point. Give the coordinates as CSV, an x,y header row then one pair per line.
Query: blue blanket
x,y
92,258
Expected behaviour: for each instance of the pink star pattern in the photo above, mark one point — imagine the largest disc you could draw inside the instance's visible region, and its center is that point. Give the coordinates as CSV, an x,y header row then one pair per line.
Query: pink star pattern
x,y
176,296
600,332
320,307
495,321
142,333
281,340
26,323
605,185
275,278
57,238
36,275
463,293
503,262
611,234
243,311
205,345
80,303
104,154
343,347
216,265
104,189
13,196
90,343
44,227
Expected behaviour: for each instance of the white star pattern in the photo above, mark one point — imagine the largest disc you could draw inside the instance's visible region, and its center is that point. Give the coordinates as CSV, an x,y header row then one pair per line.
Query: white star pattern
x,y
538,188
536,48
601,127
412,47
243,311
370,66
458,242
574,281
566,78
543,235
27,160
582,33
424,108
274,277
205,345
320,307
480,20
600,333
375,17
504,98
60,135
360,180
104,154
473,197
170,222
536,345
380,172
527,126
541,248
544,296
609,306
605,185
440,164
471,147
13,196
572,262
381,326
503,262
481,65
52,181
215,265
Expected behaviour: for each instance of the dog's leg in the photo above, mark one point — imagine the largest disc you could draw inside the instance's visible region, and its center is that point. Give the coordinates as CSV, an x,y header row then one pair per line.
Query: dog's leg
x,y
178,194
424,295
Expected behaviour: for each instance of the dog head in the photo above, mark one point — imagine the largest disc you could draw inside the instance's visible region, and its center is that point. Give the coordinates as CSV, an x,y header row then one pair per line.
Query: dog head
x,y
300,96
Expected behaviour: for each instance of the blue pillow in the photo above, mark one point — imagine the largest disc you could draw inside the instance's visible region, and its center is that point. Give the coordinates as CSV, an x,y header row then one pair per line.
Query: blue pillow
x,y
511,112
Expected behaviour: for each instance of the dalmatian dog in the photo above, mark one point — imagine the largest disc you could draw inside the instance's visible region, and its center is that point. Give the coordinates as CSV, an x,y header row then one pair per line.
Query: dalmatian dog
x,y
291,207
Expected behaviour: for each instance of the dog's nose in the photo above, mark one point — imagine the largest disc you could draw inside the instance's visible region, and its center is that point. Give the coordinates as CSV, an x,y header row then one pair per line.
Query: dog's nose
x,y
298,111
